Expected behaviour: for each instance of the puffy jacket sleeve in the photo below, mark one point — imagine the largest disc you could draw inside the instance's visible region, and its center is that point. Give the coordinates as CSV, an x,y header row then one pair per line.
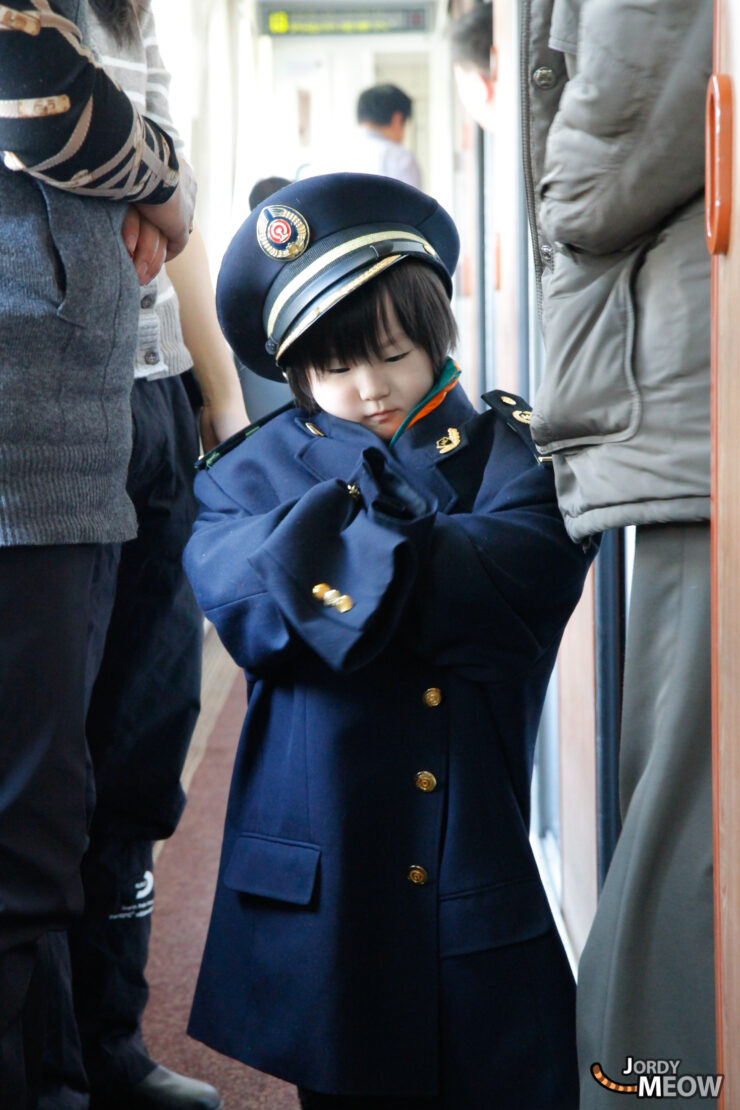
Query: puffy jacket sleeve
x,y
626,148
499,583
254,573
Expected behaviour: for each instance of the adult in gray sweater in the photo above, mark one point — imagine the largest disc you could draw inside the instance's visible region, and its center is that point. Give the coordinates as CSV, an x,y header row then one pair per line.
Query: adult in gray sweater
x,y
75,151
614,149
146,696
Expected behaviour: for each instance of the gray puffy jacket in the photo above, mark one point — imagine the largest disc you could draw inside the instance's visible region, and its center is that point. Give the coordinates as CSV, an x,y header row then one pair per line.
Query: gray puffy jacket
x,y
624,406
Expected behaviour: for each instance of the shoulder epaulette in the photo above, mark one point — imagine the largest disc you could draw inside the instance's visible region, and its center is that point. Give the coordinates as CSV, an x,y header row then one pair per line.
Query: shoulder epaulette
x,y
518,415
206,461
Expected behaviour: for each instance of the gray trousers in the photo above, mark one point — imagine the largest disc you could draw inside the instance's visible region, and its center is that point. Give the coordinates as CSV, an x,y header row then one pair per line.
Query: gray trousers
x,y
646,977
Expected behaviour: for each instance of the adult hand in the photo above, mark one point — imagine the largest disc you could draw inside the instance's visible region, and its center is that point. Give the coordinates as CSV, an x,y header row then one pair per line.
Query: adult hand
x,y
145,243
174,218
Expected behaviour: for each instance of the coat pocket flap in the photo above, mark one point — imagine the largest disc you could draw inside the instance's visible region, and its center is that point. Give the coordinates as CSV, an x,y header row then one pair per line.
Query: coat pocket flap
x,y
281,869
491,917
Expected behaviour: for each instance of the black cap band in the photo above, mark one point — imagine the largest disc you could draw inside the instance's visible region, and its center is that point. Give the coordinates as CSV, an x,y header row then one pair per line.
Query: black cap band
x,y
310,245
302,283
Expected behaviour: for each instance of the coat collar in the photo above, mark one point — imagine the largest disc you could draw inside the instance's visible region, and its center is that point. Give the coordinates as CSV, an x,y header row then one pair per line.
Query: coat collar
x,y
333,446
441,387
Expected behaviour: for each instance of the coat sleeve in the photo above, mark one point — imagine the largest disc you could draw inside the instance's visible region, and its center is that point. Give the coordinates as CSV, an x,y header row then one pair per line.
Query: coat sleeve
x,y
254,573
499,583
626,148
486,592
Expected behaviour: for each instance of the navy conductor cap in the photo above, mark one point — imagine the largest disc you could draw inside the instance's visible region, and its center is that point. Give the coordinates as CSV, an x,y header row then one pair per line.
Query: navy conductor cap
x,y
311,244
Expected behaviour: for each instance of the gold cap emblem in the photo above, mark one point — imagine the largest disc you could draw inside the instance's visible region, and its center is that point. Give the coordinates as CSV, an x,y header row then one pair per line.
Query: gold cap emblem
x,y
524,416
282,232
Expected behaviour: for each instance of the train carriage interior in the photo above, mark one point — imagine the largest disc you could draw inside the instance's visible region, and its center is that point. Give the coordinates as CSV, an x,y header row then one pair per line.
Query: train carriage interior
x,y
649,655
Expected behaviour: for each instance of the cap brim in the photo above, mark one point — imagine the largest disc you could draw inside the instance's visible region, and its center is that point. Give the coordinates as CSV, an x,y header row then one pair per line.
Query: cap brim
x,y
312,286
332,297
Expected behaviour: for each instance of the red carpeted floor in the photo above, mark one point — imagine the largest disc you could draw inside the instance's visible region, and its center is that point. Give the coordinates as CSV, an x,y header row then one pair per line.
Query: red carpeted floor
x,y
185,879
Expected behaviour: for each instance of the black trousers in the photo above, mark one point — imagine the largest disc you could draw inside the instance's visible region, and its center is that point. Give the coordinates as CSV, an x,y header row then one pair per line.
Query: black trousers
x,y
53,624
144,706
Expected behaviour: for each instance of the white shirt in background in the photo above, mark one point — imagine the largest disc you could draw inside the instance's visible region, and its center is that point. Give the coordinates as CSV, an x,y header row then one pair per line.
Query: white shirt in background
x,y
370,152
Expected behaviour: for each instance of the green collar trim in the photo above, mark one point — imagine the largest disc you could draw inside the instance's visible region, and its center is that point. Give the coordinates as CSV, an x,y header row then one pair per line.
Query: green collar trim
x,y
450,373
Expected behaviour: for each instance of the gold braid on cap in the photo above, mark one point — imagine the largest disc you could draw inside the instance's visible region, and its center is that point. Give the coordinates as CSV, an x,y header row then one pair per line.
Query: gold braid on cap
x,y
336,294
332,255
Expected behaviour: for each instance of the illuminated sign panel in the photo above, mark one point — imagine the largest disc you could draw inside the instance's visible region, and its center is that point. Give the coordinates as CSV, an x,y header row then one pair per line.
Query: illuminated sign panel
x,y
343,21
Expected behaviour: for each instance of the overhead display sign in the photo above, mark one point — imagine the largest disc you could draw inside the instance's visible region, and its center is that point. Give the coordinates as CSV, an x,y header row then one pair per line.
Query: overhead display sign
x,y
344,21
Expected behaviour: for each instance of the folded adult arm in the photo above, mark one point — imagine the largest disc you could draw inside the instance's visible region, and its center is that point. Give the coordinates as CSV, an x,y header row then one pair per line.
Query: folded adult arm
x,y
64,122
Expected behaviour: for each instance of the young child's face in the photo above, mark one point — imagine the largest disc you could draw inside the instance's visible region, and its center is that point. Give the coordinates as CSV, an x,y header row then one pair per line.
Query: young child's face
x,y
378,393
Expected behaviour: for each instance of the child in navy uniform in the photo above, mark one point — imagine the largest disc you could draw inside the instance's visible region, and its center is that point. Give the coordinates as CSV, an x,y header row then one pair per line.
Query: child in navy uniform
x,y
391,570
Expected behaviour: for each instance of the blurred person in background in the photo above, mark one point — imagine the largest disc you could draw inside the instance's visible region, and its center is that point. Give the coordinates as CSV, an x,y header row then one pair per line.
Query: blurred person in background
x,y
382,114
473,62
75,153
376,146
264,188
145,700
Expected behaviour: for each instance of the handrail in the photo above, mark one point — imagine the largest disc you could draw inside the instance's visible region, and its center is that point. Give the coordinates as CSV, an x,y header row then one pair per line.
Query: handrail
x,y
718,153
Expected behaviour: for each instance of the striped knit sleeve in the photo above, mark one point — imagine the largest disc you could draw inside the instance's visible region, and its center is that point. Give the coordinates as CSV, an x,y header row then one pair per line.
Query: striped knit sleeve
x,y
64,121
158,79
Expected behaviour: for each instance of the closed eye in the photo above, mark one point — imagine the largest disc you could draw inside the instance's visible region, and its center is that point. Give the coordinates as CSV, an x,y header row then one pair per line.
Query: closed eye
x,y
397,358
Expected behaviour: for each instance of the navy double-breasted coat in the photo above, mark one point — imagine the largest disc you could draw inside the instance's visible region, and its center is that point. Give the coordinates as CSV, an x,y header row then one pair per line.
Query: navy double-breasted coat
x,y
379,809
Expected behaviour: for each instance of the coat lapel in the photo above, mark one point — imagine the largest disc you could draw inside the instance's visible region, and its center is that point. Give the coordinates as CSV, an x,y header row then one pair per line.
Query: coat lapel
x,y
332,447
435,446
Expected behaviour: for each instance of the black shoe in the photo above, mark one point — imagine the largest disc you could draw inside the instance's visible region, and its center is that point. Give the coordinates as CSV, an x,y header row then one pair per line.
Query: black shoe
x,y
161,1089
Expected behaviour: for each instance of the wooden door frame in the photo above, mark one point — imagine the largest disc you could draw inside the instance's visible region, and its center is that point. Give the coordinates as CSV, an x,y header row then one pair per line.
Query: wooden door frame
x,y
726,601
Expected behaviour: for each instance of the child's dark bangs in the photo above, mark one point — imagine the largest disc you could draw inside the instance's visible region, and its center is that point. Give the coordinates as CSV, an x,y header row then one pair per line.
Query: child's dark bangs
x,y
423,308
359,326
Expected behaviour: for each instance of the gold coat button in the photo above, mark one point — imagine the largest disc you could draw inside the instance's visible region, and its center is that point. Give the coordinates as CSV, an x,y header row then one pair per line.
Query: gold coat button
x,y
432,697
332,598
425,781
418,875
